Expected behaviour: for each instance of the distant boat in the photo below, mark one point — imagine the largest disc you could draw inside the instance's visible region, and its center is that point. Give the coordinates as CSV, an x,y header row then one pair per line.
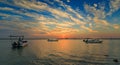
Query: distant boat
x,y
92,41
52,40
20,41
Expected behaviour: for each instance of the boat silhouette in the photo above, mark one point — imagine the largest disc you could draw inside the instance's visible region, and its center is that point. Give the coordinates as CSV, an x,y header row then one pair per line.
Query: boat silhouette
x,y
19,41
92,41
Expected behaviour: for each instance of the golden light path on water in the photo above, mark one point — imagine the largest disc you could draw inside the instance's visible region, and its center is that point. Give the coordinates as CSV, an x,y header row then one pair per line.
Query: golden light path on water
x,y
64,51
75,51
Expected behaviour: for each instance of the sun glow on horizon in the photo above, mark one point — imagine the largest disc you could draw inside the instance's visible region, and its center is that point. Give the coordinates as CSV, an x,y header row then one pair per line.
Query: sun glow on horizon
x,y
60,19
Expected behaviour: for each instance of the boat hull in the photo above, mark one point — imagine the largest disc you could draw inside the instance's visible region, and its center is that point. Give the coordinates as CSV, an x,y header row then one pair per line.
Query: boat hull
x,y
22,44
52,40
92,41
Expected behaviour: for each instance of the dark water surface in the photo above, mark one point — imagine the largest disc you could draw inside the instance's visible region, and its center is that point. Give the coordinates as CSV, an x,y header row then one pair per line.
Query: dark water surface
x,y
63,52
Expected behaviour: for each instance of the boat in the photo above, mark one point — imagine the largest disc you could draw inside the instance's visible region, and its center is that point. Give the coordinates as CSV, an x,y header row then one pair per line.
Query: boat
x,y
52,40
20,42
92,41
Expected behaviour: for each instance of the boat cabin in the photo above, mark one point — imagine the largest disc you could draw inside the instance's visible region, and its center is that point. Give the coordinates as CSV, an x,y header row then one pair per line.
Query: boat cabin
x,y
17,41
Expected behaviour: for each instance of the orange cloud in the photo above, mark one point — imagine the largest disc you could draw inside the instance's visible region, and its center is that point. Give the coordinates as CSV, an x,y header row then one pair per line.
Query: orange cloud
x,y
89,29
116,26
100,21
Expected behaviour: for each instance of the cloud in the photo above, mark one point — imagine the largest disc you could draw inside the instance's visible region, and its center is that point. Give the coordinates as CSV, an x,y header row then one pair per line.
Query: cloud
x,y
10,10
17,13
88,29
60,24
95,5
5,8
25,26
101,25
116,26
100,21
31,5
59,12
99,13
77,21
70,10
68,0
40,6
41,18
4,15
62,30
35,17
114,6
63,22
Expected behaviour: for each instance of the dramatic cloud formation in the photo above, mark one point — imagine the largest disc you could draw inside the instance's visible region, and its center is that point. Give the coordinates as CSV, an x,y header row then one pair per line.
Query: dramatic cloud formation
x,y
53,18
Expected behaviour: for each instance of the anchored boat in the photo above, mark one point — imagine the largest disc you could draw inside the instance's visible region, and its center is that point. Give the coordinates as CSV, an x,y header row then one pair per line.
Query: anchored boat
x,y
52,40
20,42
92,41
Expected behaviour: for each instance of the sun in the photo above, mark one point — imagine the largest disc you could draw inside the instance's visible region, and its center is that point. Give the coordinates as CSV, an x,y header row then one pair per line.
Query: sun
x,y
63,36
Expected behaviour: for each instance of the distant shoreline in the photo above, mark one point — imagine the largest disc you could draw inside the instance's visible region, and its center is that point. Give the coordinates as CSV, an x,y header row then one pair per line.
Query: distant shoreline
x,y
56,38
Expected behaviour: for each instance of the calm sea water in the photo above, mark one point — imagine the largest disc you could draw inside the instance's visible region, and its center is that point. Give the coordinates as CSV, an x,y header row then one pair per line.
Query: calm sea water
x,y
63,52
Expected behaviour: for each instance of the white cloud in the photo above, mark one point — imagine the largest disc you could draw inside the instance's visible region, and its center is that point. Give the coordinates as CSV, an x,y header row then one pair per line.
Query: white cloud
x,y
40,6
5,15
21,12
114,6
5,8
88,29
68,0
99,13
77,21
69,9
100,21
95,5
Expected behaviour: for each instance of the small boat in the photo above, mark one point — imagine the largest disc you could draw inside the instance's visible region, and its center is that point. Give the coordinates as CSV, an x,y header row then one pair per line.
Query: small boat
x,y
92,41
52,40
20,42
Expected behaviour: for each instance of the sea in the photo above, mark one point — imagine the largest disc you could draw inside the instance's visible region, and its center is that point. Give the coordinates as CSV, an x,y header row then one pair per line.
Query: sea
x,y
61,52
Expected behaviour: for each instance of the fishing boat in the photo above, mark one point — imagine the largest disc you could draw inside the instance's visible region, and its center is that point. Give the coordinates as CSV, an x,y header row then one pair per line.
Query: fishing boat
x,y
20,42
92,41
52,40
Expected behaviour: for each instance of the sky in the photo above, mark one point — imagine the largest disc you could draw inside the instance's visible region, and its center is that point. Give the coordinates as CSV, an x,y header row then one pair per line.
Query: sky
x,y
60,18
